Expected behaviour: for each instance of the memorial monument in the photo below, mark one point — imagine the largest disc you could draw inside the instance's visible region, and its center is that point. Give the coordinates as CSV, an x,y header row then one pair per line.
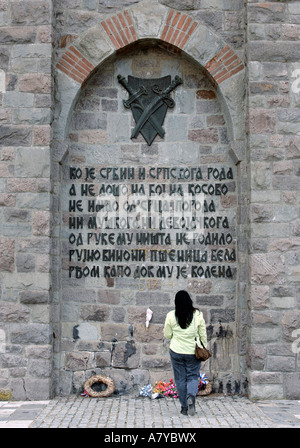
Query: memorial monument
x,y
148,147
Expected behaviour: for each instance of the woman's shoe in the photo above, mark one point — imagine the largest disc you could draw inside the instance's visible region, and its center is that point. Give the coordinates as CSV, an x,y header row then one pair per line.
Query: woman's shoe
x,y
191,405
184,411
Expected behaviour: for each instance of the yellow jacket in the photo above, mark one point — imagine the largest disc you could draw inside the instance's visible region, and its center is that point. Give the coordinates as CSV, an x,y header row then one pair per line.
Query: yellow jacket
x,y
183,340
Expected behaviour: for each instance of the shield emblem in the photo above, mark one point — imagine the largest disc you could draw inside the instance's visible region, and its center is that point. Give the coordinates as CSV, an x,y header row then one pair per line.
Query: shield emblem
x,y
149,100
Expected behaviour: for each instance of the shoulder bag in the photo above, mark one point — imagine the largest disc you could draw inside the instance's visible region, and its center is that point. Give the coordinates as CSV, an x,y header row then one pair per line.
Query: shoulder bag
x,y
201,353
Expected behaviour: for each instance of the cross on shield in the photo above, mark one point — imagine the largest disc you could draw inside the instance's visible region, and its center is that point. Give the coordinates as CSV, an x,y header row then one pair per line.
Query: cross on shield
x,y
149,101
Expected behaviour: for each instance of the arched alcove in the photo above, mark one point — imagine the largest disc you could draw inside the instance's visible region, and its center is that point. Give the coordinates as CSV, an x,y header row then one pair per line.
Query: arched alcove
x,y
178,34
103,316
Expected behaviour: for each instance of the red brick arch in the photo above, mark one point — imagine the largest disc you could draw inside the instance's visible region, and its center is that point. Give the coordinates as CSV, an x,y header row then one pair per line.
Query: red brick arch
x,y
177,29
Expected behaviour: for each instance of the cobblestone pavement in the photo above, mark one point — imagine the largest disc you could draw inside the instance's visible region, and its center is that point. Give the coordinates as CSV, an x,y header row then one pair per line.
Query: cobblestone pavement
x,y
213,411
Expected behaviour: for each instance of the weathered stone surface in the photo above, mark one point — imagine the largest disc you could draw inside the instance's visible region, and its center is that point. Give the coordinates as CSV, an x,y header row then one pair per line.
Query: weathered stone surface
x,y
267,268
42,223
92,137
259,297
18,99
266,391
281,363
17,35
30,334
262,121
83,120
20,185
34,297
118,314
200,287
25,263
30,13
265,318
14,313
79,295
265,377
284,244
42,135
291,382
153,298
86,332
7,200
112,331
32,163
79,361
136,314
120,377
154,362
103,359
292,146
205,94
266,13
209,300
40,314
37,351
13,215
110,297
23,280
274,51
147,19
97,313
159,313
36,83
35,388
15,135
256,357
94,45
40,368
265,335
290,322
154,333
126,355
261,213
7,247
223,316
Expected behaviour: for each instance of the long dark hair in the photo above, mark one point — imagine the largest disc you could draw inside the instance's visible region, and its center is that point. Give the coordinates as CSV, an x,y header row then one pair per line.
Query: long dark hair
x,y
184,308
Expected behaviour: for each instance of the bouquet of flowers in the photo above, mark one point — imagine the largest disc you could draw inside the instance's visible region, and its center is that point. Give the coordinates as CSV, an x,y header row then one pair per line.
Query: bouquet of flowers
x,y
159,387
170,390
146,391
166,389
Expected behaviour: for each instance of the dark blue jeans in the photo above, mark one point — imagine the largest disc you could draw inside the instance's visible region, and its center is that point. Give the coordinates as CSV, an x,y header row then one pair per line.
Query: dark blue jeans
x,y
186,375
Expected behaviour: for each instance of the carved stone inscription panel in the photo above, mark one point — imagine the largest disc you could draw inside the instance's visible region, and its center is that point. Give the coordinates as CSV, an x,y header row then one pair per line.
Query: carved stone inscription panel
x,y
141,221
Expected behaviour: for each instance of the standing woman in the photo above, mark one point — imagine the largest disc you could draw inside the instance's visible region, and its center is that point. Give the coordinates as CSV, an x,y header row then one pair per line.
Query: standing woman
x,y
181,325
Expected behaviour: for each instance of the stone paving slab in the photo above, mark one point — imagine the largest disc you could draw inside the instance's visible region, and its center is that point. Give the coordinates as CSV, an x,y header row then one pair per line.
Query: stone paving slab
x,y
284,413
20,414
139,412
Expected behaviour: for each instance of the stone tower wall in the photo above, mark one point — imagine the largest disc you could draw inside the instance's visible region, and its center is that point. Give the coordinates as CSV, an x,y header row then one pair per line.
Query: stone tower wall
x,y
273,126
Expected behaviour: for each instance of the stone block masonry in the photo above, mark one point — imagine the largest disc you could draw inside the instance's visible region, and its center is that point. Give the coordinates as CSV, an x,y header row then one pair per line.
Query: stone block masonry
x,y
75,65
115,311
224,65
120,30
178,28
273,105
61,106
25,254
